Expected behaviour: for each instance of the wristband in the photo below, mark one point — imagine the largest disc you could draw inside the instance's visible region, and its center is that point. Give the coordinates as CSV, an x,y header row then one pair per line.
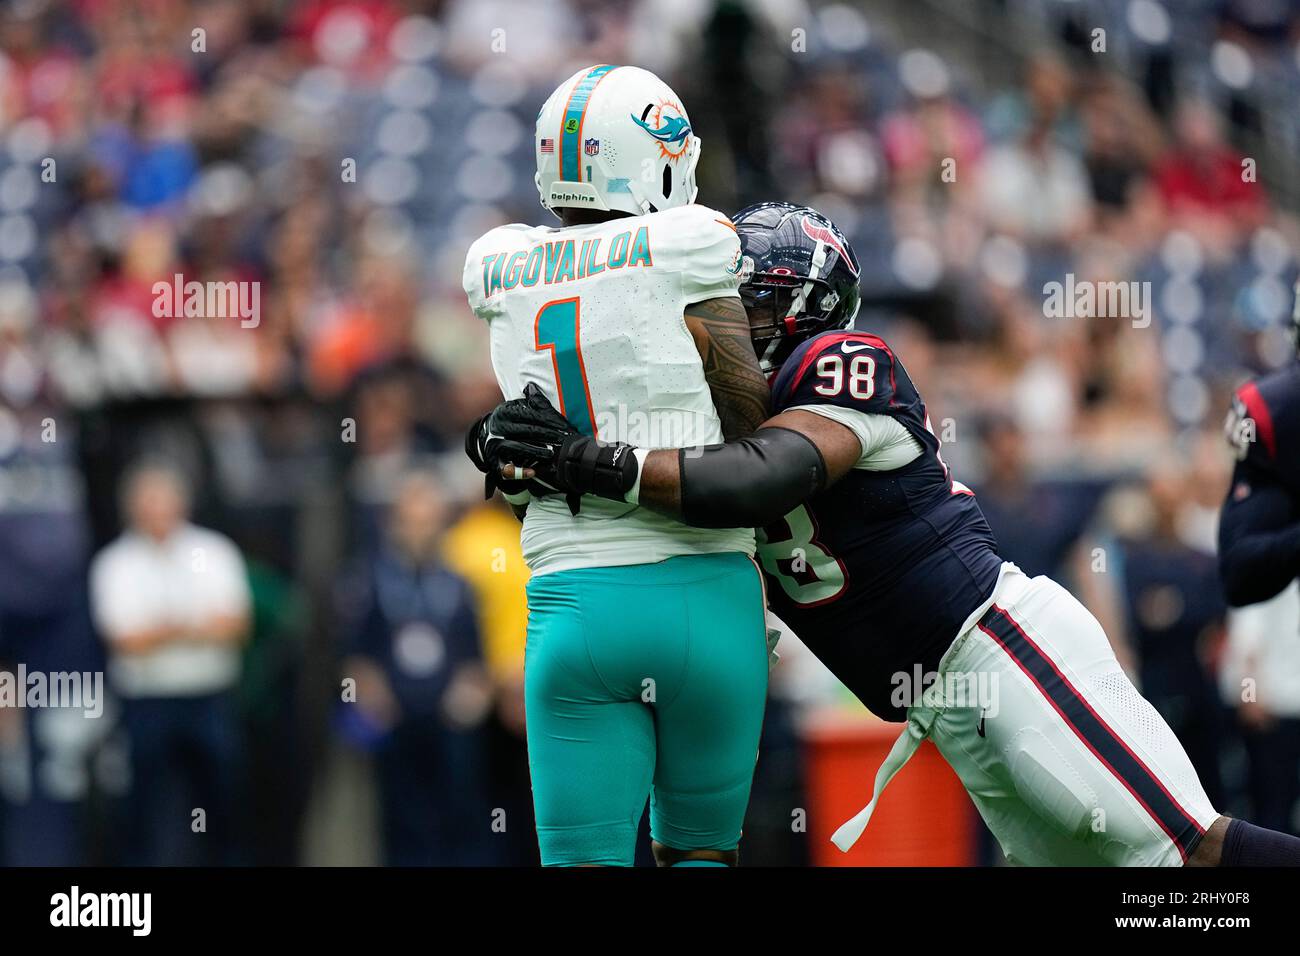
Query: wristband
x,y
633,495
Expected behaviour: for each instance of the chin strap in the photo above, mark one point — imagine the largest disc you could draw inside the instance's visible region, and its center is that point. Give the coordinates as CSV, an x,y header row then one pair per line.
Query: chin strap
x,y
766,360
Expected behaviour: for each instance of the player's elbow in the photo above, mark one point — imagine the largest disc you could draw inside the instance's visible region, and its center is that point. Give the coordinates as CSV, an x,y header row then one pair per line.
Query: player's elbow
x,y
1235,590
752,482
1242,581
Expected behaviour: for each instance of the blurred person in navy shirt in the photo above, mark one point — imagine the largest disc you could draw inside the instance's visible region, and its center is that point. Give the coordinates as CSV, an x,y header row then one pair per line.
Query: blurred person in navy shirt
x,y
421,690
47,754
1036,523
1175,611
171,601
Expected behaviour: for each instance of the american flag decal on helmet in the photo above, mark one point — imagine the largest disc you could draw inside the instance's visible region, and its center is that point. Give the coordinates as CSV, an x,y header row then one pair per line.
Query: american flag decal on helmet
x,y
548,146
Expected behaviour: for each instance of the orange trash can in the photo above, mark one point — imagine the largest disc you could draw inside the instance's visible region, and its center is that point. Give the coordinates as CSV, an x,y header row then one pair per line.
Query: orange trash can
x,y
924,818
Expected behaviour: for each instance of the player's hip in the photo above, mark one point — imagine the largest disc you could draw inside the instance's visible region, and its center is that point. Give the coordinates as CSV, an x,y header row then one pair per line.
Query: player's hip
x,y
554,542
1035,626
634,631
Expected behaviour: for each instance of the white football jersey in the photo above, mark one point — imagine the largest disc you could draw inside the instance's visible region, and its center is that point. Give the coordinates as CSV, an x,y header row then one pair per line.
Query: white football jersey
x,y
593,315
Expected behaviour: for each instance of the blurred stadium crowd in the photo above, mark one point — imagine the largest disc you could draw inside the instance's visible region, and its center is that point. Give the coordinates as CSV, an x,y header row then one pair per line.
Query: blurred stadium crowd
x,y
246,525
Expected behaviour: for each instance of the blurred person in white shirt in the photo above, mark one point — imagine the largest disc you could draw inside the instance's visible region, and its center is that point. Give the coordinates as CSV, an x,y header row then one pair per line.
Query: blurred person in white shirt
x,y
1260,678
172,603
1036,190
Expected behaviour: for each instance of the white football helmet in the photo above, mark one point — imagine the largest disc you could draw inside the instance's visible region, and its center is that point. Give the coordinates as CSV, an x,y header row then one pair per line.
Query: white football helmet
x,y
615,137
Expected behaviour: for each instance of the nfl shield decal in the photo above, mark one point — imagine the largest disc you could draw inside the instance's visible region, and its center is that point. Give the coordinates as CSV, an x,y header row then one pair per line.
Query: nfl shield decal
x,y
591,146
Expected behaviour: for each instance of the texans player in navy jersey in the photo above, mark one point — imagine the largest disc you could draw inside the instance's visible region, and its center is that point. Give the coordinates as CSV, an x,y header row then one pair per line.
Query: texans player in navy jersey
x,y
1259,529
883,564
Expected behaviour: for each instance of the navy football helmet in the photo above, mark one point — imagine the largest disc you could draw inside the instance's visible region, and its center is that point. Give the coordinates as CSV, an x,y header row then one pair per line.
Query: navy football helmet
x,y
799,276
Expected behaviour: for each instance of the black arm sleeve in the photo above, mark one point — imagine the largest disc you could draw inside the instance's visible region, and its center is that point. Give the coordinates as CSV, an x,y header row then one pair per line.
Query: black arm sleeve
x,y
1259,537
751,482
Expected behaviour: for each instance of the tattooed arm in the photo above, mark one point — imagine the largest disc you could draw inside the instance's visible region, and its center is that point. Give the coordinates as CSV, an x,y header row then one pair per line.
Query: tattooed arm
x,y
740,393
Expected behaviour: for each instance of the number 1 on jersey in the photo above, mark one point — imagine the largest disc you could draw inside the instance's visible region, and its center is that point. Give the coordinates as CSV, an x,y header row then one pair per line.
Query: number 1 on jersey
x,y
556,328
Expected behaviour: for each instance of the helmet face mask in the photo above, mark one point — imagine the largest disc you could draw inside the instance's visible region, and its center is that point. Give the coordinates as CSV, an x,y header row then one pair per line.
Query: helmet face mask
x,y
799,277
615,138
777,323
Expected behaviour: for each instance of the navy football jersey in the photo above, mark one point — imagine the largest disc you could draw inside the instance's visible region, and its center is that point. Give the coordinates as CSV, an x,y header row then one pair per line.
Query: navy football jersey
x,y
878,572
1264,425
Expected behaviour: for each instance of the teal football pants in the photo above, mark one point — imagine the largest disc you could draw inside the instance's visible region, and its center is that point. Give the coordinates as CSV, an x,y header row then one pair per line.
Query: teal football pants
x,y
644,679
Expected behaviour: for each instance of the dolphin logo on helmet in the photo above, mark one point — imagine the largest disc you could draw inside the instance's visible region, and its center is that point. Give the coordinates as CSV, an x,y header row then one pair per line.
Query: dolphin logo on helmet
x,y
671,128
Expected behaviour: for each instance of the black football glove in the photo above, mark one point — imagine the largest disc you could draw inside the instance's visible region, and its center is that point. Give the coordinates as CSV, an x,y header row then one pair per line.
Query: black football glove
x,y
481,446
534,435
529,426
